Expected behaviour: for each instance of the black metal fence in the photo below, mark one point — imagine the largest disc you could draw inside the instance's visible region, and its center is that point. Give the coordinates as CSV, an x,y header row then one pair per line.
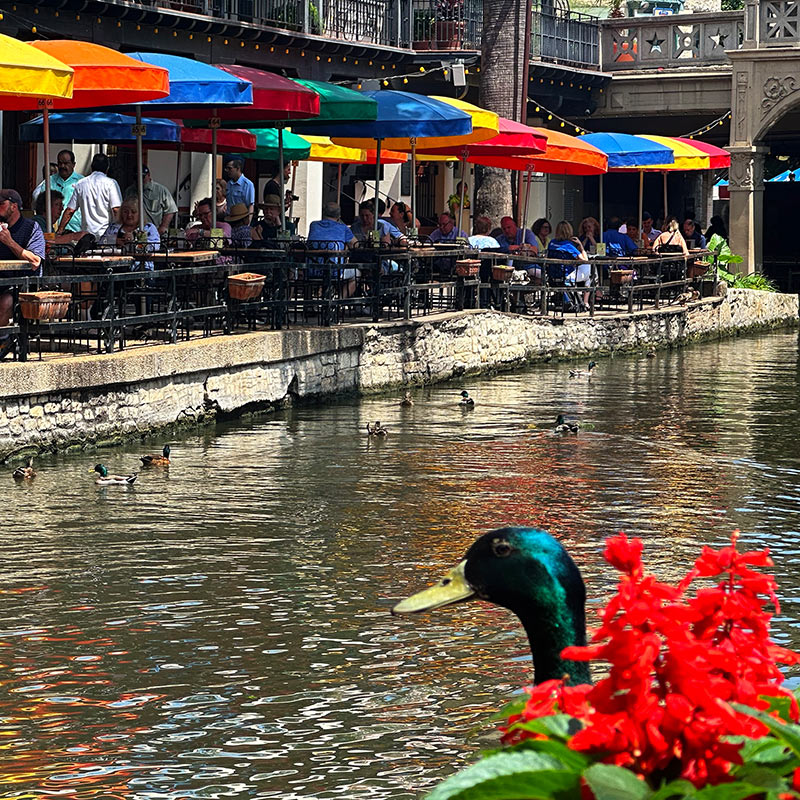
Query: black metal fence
x,y
114,307
563,36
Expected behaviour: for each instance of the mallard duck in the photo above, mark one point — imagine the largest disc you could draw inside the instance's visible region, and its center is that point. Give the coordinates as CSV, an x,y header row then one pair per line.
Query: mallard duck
x,y
407,402
583,373
104,479
157,461
528,572
28,473
376,429
466,400
562,426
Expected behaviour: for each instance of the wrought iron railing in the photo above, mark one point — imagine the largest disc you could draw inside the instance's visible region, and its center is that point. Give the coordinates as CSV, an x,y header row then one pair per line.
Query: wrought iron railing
x,y
563,36
446,24
675,41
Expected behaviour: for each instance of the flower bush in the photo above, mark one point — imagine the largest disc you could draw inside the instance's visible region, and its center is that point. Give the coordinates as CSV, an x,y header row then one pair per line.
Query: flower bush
x,y
692,704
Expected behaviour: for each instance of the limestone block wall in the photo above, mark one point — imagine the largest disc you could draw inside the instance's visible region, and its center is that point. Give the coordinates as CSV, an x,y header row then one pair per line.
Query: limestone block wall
x,y
96,400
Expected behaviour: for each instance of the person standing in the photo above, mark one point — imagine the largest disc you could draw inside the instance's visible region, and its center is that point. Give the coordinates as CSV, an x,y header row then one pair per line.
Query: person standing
x,y
159,205
240,188
20,240
64,181
97,197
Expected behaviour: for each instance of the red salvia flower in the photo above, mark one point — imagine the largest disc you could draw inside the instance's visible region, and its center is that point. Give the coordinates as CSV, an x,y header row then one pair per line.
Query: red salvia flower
x,y
677,663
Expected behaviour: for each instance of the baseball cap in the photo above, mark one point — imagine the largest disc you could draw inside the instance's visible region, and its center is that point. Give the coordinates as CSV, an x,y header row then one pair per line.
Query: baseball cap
x,y
11,195
145,169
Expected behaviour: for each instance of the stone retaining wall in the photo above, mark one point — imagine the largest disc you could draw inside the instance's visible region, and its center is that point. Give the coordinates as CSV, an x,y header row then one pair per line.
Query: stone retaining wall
x,y
95,400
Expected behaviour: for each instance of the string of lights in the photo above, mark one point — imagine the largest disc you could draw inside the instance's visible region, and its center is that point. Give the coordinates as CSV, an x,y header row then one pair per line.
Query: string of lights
x,y
707,128
563,122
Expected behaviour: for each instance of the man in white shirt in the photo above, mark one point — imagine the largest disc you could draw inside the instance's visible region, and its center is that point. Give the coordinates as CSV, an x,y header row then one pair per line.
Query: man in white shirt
x,y
64,181
97,197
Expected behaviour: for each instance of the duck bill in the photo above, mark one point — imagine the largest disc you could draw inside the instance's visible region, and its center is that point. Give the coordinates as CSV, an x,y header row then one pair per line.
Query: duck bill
x,y
452,588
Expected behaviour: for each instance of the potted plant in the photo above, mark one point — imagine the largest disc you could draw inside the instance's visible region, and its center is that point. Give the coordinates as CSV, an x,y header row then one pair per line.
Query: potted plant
x,y
449,24
422,38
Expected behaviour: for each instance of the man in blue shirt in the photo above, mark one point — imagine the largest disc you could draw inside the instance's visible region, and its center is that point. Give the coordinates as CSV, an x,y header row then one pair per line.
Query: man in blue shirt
x,y
361,227
64,181
330,233
240,189
621,240
447,231
514,238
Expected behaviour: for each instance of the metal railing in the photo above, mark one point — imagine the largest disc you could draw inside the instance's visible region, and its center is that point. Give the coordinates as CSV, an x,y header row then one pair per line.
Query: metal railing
x,y
564,37
446,24
684,40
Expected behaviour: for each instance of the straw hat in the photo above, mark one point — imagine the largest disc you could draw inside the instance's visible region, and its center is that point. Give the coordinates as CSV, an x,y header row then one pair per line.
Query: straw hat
x,y
239,211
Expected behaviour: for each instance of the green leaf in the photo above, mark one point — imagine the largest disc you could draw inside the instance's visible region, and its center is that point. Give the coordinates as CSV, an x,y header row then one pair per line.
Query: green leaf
x,y
559,726
758,775
762,751
516,706
673,789
609,782
727,791
513,775
571,759
789,734
781,704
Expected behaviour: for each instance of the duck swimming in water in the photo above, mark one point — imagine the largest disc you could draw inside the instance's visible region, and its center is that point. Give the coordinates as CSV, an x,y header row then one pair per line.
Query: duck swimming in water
x,y
28,473
104,479
466,400
528,572
564,427
583,373
155,460
376,429
407,401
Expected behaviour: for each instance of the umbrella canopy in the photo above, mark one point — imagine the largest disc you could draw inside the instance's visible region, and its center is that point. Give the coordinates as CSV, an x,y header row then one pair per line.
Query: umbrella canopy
x,y
627,150
275,98
790,175
402,116
31,72
340,104
513,139
98,126
102,77
565,155
686,156
295,148
325,151
199,140
193,83
717,157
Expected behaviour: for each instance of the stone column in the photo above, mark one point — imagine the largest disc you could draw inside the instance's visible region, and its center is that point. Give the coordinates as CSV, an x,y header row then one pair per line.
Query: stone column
x,y
747,205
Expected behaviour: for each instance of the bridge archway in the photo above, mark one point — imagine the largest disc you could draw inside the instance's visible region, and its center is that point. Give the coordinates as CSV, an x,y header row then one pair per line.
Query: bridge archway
x,y
765,88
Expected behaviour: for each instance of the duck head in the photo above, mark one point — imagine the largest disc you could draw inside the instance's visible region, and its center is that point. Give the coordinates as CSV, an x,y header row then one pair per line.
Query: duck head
x,y
165,452
100,470
528,572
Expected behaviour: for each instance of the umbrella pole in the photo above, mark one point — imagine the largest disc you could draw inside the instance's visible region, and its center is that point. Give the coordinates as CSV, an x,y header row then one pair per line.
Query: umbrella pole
x,y
602,211
641,198
48,198
524,220
139,165
666,213
214,121
339,185
463,188
282,182
377,182
413,232
291,202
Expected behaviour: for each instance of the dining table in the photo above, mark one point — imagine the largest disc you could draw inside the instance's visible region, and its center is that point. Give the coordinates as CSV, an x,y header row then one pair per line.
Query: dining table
x,y
184,257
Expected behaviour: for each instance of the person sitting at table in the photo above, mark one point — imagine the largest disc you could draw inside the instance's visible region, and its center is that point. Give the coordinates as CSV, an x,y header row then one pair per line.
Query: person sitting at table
x,y
514,239
202,230
670,240
632,230
365,223
400,217
266,229
717,227
20,240
125,231
239,220
221,197
541,230
691,233
330,233
649,233
617,243
446,230
480,239
565,245
589,234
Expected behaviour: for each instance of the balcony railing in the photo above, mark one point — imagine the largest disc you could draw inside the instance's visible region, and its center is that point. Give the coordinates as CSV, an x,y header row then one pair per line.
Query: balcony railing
x,y
564,37
687,40
446,24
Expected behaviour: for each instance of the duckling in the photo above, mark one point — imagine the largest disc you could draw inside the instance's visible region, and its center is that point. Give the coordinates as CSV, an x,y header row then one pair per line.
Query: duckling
x,y
583,373
407,402
376,429
651,353
104,479
562,426
466,400
28,473
156,461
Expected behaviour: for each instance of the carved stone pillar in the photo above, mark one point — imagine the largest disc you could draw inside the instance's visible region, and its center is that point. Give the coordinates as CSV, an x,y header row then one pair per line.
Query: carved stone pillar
x,y
747,205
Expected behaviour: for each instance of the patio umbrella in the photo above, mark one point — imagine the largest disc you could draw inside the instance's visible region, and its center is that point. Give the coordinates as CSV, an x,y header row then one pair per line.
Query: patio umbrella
x,y
513,139
788,176
196,88
268,142
29,72
102,77
98,126
402,116
627,150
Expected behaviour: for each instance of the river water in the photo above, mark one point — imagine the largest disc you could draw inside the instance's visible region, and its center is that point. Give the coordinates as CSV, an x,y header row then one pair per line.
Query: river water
x,y
222,630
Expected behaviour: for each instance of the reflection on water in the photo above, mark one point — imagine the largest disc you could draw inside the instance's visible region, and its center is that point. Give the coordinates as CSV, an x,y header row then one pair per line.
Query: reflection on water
x,y
222,629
